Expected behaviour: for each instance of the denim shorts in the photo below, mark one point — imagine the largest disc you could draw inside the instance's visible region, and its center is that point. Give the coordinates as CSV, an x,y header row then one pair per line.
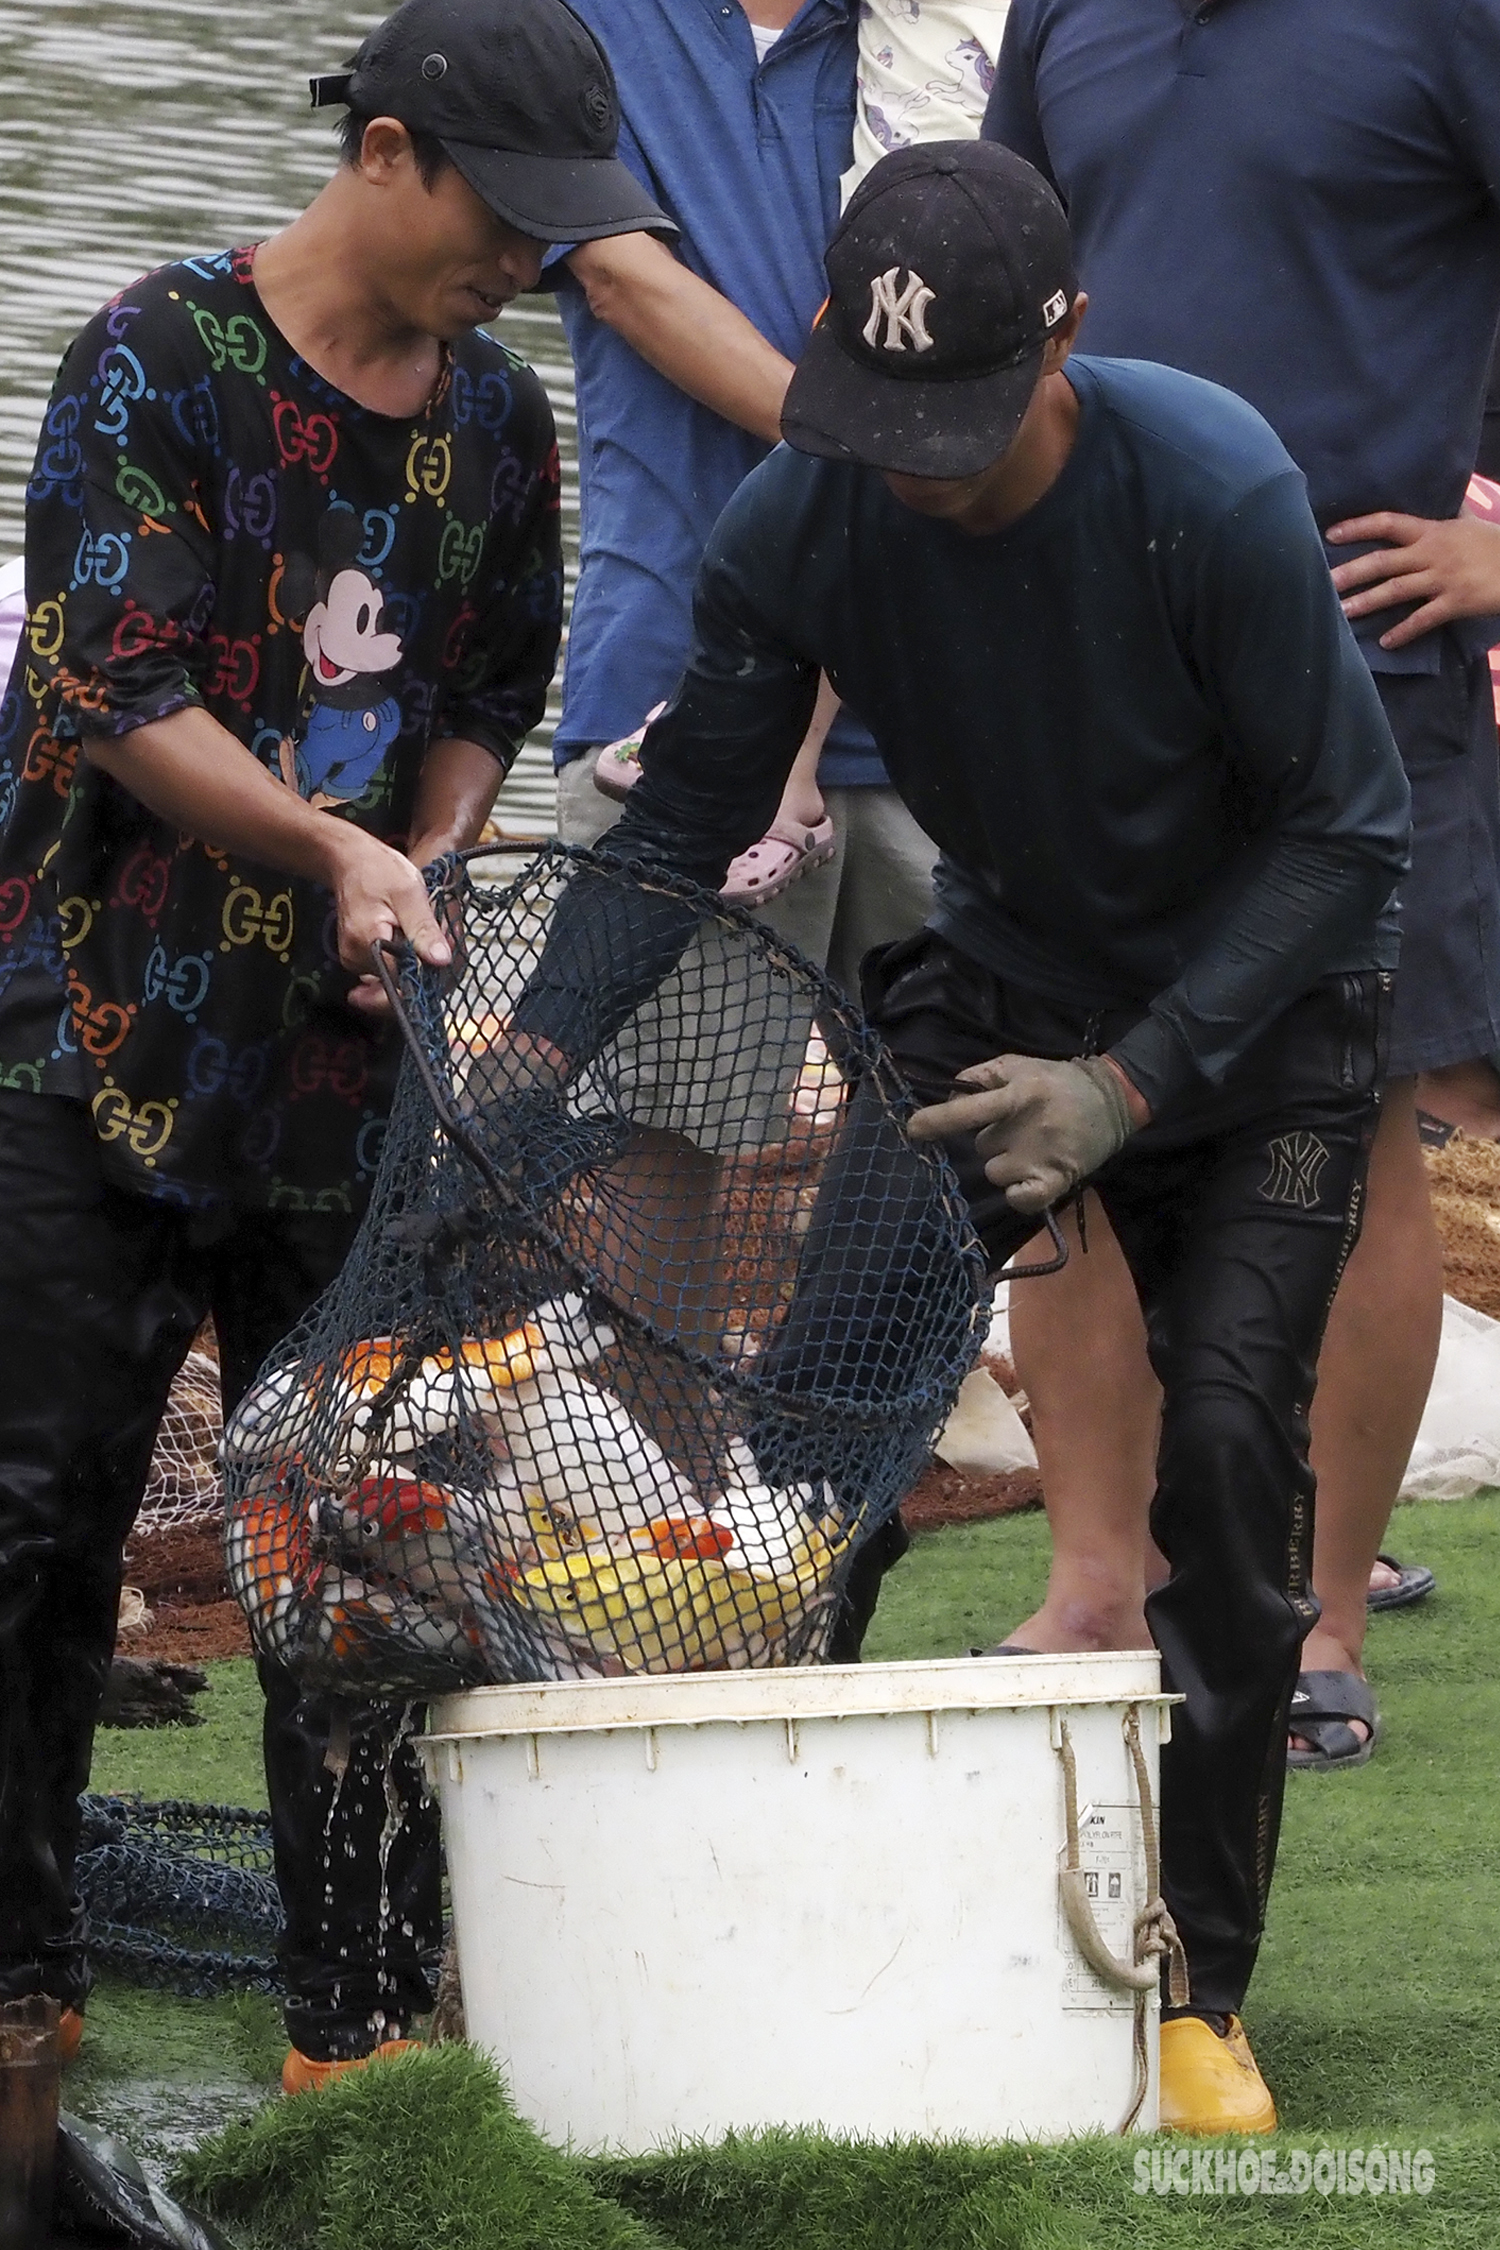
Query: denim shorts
x,y
877,888
1447,1000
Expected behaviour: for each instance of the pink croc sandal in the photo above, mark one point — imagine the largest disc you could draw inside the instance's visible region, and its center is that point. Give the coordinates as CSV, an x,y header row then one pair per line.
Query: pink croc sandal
x,y
617,768
788,849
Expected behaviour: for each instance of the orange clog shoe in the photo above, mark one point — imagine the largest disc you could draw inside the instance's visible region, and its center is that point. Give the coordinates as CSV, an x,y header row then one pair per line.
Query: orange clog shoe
x,y
301,2075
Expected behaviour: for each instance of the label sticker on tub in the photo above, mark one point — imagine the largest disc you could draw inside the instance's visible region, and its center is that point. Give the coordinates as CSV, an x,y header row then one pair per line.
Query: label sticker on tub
x,y
1113,1860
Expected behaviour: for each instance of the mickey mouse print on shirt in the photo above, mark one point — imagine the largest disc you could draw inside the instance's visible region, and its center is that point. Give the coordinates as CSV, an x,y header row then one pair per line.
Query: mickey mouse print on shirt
x,y
210,522
351,656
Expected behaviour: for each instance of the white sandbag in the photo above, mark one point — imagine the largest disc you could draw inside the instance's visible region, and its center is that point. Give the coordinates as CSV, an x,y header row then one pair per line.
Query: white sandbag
x,y
984,1432
1458,1444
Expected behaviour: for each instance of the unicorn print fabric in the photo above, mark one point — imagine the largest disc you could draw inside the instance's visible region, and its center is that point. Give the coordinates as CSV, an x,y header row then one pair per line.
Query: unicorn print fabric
x,y
925,72
211,523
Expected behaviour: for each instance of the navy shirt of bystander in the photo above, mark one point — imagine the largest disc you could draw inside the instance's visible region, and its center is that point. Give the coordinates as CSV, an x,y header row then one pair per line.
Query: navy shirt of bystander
x,y
745,157
1296,202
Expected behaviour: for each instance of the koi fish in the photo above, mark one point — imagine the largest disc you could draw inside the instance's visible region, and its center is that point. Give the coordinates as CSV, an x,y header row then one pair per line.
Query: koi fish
x,y
350,1619
657,1612
269,1559
419,1537
579,1448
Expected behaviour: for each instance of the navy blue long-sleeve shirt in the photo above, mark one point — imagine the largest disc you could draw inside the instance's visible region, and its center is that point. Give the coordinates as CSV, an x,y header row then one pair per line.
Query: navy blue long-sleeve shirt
x,y
1300,202
1135,722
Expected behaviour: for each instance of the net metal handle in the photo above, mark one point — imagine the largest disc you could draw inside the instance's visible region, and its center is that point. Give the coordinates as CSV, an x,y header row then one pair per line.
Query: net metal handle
x,y
1053,1265
382,953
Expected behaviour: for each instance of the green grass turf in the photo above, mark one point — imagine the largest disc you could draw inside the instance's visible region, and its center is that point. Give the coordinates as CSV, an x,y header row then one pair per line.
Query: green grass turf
x,y
793,2192
218,1763
1373,2011
421,2152
427,2151
1375,1996
161,2072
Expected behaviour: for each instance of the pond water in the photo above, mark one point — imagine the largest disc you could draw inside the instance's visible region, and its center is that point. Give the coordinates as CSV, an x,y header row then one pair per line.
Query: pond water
x,y
135,131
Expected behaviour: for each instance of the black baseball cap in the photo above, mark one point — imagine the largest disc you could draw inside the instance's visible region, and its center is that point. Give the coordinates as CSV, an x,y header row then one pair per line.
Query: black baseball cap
x,y
521,95
947,274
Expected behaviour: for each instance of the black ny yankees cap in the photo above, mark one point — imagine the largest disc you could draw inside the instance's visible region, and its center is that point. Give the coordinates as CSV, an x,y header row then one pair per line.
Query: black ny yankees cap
x,y
521,95
947,274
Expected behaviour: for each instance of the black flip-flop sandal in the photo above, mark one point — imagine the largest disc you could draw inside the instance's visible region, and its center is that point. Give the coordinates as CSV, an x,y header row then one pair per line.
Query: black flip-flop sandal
x,y
1322,1706
1417,1582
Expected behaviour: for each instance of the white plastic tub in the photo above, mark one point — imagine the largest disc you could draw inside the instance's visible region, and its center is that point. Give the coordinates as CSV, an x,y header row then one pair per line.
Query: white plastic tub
x,y
814,1897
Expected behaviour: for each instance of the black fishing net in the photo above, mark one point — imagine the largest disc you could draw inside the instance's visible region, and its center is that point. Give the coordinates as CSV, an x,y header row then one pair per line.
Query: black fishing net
x,y
623,1368
180,1897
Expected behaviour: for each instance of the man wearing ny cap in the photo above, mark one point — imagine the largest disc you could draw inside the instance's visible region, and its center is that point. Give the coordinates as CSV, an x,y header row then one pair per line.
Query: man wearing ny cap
x,y
294,582
1086,608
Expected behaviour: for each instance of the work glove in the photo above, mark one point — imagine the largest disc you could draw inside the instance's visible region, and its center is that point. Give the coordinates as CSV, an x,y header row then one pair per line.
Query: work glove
x,y
1040,1127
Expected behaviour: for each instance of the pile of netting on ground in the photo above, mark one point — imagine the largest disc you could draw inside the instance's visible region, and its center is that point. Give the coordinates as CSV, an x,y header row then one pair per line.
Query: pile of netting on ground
x,y
624,1366
180,1897
183,1490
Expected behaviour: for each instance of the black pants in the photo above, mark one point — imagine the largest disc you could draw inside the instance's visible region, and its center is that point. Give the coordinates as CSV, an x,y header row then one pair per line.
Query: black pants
x,y
101,1294
1236,1217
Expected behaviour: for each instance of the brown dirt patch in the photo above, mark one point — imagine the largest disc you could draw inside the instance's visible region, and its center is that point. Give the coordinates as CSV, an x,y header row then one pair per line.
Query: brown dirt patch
x,y
194,1618
194,1633
1003,1369
942,1495
1465,1182
177,1566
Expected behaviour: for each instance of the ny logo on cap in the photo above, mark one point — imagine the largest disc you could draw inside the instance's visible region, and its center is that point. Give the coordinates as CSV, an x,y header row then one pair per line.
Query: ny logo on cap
x,y
904,312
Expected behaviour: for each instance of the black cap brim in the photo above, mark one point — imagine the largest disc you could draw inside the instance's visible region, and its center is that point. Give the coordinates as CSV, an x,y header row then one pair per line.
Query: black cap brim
x,y
843,411
559,198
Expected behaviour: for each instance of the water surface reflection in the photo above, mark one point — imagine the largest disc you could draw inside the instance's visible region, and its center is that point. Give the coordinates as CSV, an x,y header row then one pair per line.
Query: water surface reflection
x,y
134,131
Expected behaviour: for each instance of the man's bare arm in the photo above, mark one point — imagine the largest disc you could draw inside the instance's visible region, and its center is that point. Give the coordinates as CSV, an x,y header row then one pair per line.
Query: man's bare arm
x,y
707,347
685,329
456,792
192,772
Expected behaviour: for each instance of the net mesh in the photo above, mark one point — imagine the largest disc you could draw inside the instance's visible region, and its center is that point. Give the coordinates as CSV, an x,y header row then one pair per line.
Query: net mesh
x,y
183,1491
619,1373
180,1897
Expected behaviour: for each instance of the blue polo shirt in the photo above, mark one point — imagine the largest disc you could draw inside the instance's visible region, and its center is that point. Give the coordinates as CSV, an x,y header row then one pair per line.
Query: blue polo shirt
x,y
1297,201
746,159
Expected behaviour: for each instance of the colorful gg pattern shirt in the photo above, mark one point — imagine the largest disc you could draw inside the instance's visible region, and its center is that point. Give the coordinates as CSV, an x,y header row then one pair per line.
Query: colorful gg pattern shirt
x,y
212,523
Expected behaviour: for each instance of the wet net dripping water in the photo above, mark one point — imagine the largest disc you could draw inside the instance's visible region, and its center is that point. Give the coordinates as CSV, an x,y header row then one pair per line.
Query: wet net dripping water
x,y
620,1372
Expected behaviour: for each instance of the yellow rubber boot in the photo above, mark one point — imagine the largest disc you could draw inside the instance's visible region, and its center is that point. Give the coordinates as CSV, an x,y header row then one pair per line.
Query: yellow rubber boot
x,y
1211,2084
301,2075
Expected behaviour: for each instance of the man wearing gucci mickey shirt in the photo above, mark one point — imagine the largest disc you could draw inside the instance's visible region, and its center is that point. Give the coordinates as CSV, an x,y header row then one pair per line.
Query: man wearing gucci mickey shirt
x,y
294,589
